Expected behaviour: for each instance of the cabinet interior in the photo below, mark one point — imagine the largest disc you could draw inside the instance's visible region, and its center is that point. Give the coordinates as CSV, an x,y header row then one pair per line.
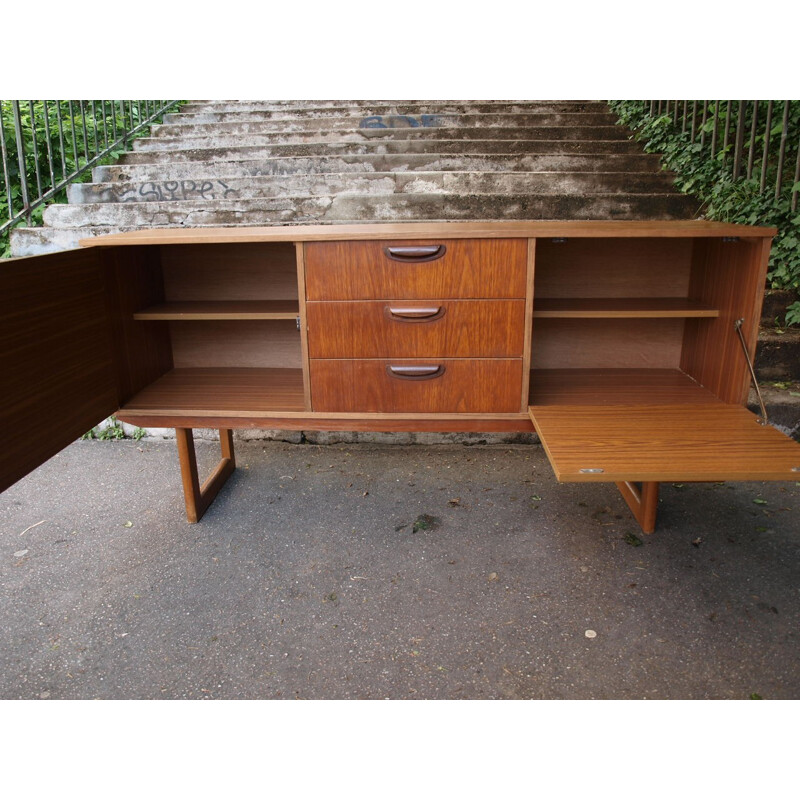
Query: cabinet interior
x,y
640,320
228,313
614,320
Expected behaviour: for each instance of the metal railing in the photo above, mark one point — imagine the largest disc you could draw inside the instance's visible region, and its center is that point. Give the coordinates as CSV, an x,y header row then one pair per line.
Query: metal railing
x,y
47,144
758,139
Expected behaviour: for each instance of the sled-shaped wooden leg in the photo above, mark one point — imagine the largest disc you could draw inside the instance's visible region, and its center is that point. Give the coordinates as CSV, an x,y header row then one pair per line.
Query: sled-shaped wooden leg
x,y
198,498
643,501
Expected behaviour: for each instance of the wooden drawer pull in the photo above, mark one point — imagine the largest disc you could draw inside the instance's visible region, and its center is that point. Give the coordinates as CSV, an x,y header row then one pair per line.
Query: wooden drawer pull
x,y
416,254
427,314
412,373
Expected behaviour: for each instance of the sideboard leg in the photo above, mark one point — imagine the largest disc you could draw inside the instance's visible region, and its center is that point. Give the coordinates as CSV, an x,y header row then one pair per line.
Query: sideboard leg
x,y
198,498
642,501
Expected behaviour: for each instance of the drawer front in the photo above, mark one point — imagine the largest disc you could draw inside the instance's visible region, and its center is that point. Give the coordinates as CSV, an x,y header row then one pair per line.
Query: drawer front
x,y
468,268
432,328
419,385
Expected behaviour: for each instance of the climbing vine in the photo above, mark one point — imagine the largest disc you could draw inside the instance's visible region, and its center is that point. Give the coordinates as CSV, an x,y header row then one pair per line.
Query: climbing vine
x,y
719,196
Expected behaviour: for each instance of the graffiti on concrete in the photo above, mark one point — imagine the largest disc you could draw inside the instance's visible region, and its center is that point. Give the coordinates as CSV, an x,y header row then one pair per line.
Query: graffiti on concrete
x,y
153,192
402,121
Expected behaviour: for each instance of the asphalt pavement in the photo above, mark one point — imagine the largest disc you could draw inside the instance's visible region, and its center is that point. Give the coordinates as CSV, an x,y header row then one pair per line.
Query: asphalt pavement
x,y
388,571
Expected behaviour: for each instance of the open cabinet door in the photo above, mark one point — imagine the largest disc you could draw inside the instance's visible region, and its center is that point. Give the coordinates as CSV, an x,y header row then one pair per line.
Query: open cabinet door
x,y
57,355
680,442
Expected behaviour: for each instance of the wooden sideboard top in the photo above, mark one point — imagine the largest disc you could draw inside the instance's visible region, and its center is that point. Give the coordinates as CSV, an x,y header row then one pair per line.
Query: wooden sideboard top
x,y
414,230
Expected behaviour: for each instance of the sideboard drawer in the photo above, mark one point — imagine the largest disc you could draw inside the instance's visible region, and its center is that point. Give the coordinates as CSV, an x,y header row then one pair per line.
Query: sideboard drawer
x,y
402,328
420,385
469,268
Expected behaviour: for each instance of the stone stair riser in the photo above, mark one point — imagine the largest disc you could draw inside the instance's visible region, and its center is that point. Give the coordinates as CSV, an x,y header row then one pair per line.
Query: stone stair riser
x,y
401,114
370,183
376,163
429,139
360,146
374,207
212,133
378,121
247,153
397,106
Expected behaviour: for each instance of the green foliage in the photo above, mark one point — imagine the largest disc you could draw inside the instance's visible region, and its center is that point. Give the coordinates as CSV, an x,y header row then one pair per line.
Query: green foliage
x,y
710,181
113,431
68,146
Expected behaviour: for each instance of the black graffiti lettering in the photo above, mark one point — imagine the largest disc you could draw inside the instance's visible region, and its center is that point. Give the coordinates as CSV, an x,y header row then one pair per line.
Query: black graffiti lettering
x,y
206,190
152,195
171,187
228,191
123,195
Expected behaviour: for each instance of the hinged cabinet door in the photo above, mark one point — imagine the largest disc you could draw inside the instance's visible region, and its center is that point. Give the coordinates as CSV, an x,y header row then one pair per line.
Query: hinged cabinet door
x,y
681,442
57,356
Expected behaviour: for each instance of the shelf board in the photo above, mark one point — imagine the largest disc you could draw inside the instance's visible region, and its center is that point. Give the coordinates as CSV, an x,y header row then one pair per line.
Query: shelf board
x,y
572,387
223,309
217,389
619,307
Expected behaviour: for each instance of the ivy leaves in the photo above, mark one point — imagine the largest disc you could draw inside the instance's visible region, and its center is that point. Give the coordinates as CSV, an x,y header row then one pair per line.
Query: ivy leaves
x,y
708,178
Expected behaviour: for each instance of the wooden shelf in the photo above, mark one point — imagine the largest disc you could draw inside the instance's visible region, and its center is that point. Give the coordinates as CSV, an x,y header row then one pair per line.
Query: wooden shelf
x,y
572,387
217,389
221,310
619,307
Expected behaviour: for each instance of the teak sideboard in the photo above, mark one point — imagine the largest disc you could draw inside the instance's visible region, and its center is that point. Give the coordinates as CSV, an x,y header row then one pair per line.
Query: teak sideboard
x,y
625,345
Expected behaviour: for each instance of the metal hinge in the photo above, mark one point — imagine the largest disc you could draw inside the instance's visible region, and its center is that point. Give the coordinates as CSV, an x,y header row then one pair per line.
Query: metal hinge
x,y
297,320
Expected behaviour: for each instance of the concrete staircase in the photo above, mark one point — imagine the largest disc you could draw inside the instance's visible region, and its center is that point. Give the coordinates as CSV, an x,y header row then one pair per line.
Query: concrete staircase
x,y
324,162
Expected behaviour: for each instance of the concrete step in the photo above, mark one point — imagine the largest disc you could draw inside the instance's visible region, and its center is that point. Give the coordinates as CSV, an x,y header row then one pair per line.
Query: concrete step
x,y
410,140
778,354
776,304
428,162
212,133
35,241
187,150
372,183
356,144
416,112
289,122
400,106
258,152
373,207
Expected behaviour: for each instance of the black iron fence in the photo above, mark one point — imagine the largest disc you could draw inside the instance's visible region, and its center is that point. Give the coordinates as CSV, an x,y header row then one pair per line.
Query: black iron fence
x,y
47,144
757,139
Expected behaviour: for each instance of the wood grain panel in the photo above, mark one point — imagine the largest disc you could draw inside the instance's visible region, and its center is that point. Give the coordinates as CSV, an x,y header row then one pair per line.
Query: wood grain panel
x,y
427,230
303,421
143,351
224,309
595,387
467,385
730,276
613,268
57,357
301,291
264,344
368,329
607,343
526,351
621,308
709,442
230,272
219,390
471,268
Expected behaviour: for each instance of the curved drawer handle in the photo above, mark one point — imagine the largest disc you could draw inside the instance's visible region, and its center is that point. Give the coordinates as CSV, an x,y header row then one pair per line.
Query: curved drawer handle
x,y
415,373
417,314
416,254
